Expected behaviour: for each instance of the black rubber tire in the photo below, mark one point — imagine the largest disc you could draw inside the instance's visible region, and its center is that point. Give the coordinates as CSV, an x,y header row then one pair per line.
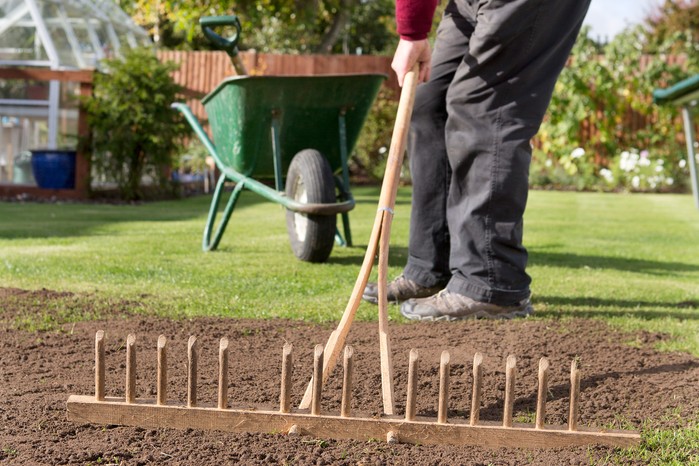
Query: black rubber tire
x,y
310,180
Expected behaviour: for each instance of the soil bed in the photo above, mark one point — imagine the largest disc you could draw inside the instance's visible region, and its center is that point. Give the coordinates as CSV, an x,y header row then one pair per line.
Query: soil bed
x,y
624,383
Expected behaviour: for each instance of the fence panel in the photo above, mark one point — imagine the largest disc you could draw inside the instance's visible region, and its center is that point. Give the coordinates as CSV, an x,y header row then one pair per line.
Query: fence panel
x,y
200,72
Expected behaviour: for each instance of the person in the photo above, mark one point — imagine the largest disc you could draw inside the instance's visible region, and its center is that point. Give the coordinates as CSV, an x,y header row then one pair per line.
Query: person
x,y
483,94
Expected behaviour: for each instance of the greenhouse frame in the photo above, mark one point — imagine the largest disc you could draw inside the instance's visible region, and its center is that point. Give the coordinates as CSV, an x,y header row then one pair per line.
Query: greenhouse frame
x,y
59,35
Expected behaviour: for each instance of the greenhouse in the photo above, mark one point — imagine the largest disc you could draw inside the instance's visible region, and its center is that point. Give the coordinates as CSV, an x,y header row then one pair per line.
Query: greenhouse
x,y
61,35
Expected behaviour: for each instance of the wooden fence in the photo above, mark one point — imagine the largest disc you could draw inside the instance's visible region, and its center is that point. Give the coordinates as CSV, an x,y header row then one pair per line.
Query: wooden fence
x,y
200,72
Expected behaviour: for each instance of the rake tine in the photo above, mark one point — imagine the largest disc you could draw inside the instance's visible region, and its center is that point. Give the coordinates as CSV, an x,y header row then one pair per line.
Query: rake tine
x,y
223,373
130,369
287,368
543,390
192,359
348,370
443,387
161,377
99,365
510,374
317,379
574,396
477,388
412,386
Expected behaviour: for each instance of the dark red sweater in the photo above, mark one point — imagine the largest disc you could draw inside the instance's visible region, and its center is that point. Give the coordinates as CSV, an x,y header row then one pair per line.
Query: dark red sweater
x,y
414,18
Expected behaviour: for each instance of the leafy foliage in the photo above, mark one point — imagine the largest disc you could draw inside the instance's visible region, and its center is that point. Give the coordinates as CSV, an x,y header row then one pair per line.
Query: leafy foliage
x,y
672,17
134,131
276,26
371,151
597,95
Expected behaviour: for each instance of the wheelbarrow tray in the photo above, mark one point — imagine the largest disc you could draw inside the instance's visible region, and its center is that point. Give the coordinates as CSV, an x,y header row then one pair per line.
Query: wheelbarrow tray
x,y
305,110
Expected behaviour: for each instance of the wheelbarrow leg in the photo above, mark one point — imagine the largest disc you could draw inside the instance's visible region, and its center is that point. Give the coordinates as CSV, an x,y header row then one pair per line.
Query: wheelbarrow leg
x,y
207,244
343,196
343,184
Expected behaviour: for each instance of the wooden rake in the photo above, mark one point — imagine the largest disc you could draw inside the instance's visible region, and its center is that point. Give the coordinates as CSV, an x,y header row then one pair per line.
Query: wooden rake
x,y
132,410
379,239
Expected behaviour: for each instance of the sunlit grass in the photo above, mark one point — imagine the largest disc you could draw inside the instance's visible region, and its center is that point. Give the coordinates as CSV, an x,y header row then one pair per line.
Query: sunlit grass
x,y
632,260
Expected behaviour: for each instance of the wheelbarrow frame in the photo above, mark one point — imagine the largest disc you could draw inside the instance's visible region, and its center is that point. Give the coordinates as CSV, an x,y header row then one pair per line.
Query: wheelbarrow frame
x,y
244,176
685,94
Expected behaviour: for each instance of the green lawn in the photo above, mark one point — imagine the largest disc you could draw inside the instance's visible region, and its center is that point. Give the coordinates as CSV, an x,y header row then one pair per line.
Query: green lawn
x,y
632,260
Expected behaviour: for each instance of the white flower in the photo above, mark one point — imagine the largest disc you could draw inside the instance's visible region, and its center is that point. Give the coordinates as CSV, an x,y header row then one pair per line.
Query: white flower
x,y
683,163
548,162
670,181
577,153
627,163
606,174
635,182
382,150
659,169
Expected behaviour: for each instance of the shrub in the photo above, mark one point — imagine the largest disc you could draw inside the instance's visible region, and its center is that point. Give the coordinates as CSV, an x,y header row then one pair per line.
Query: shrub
x,y
134,131
597,94
371,150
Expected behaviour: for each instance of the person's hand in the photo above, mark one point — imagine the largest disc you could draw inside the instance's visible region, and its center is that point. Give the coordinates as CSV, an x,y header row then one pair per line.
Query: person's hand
x,y
407,54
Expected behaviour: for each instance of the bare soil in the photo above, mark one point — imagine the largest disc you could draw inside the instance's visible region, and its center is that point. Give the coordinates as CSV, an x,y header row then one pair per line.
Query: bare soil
x,y
625,383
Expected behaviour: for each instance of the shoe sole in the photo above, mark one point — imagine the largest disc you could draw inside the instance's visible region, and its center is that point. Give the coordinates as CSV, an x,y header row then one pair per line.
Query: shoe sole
x,y
474,316
375,300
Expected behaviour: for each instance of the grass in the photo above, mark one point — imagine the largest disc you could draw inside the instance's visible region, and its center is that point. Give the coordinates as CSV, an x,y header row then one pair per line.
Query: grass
x,y
630,260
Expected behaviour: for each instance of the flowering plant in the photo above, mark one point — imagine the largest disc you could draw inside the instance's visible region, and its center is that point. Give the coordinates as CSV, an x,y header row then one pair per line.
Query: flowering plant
x,y
636,170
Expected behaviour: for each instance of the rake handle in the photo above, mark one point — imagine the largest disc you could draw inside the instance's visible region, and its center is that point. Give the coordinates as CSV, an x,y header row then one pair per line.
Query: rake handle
x,y
379,233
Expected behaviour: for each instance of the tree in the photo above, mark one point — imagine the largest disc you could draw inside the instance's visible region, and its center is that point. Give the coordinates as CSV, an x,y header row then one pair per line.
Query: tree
x,y
675,16
280,26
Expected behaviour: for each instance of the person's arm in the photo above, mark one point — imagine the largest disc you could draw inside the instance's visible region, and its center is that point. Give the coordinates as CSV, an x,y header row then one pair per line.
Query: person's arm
x,y
414,21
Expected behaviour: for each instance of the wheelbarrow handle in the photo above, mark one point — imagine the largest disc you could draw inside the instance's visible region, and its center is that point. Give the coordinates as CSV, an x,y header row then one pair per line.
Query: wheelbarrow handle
x,y
229,45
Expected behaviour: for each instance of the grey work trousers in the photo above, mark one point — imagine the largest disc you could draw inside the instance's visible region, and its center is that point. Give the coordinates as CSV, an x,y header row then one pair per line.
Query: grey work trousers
x,y
494,67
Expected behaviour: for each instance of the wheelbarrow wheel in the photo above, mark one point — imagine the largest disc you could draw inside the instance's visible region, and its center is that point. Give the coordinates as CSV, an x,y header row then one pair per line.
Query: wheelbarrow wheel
x,y
310,180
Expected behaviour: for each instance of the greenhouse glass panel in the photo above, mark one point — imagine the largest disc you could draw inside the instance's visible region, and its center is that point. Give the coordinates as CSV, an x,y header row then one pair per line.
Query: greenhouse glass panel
x,y
65,34
18,38
55,34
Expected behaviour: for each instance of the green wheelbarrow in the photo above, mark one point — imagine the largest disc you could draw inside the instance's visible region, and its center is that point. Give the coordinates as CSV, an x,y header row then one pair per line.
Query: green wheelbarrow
x,y
286,138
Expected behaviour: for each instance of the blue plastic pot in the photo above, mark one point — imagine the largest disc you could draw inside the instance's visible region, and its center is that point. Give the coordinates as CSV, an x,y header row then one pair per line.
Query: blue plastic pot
x,y
54,169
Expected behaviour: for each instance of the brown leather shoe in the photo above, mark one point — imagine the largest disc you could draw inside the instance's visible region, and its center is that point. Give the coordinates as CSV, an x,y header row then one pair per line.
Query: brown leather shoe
x,y
399,290
453,306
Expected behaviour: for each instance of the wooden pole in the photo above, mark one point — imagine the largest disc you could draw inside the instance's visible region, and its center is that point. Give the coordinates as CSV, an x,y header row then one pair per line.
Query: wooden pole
x,y
477,388
510,374
387,391
130,369
287,368
412,386
161,394
317,379
574,396
348,369
99,365
387,202
543,391
223,373
192,359
443,388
